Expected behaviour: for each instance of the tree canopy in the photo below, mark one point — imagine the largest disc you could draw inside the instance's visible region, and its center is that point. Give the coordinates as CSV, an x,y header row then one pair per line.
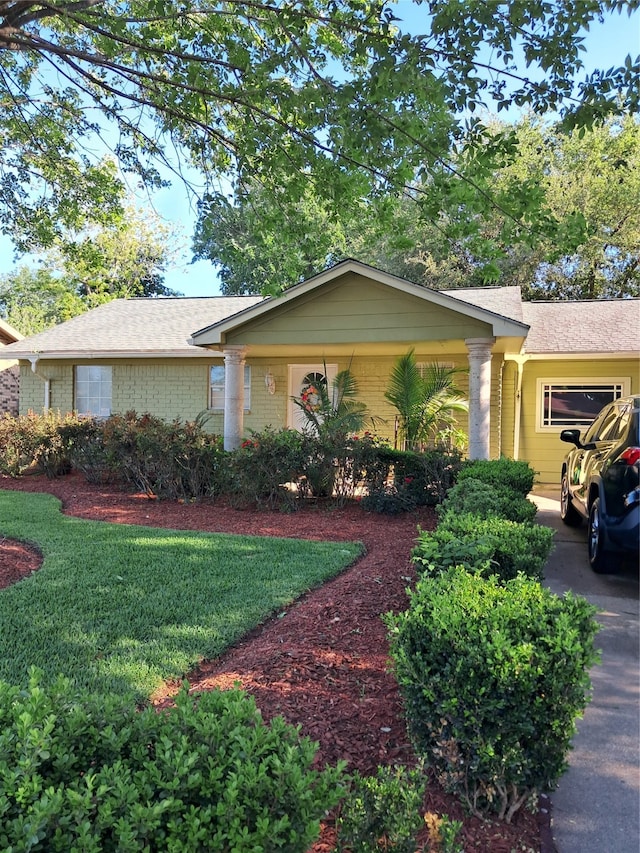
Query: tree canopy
x,y
586,185
125,259
32,300
328,91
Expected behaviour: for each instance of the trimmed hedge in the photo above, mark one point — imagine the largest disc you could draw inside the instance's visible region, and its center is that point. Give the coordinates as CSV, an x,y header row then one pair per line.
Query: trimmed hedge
x,y
510,473
484,500
42,441
487,546
492,676
87,773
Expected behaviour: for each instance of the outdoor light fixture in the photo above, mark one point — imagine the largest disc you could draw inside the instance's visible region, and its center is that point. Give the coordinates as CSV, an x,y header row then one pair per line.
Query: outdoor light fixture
x,y
270,382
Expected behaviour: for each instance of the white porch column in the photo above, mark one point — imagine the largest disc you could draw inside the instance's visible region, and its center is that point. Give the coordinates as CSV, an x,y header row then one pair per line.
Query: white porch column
x,y
233,396
479,396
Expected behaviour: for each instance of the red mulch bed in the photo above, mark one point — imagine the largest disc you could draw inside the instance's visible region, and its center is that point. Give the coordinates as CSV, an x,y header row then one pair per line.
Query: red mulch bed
x,y
324,663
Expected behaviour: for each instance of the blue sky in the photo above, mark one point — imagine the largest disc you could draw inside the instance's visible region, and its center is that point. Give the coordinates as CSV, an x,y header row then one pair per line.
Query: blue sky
x,y
606,45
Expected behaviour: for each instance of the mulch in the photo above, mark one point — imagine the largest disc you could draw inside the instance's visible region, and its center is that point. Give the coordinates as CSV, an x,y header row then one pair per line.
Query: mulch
x,y
322,664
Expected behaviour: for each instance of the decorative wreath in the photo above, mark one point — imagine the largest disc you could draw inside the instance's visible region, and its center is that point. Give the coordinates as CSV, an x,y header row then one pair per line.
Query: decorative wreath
x,y
310,396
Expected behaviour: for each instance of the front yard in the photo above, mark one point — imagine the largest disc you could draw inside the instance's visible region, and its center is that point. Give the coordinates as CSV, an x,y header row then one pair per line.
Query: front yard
x,y
121,608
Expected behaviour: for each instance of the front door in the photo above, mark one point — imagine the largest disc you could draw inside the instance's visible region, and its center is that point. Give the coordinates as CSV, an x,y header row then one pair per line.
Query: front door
x,y
301,378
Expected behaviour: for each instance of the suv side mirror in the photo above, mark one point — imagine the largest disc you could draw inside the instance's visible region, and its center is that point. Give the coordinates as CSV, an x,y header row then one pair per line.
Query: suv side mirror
x,y
571,436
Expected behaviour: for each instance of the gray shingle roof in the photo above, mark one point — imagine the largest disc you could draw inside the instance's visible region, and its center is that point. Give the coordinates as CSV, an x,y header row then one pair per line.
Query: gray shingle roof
x,y
506,301
136,326
164,326
599,326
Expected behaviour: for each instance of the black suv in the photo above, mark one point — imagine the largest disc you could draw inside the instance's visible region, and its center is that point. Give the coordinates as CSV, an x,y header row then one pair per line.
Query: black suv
x,y
601,482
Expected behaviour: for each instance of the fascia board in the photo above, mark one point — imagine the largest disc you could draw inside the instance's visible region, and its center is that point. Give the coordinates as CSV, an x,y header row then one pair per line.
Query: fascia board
x,y
10,331
62,355
581,356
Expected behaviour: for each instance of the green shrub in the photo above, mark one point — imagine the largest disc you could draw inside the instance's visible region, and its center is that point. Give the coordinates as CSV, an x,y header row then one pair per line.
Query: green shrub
x,y
438,550
164,460
40,441
87,773
324,455
358,464
482,499
88,452
493,677
388,500
487,545
413,479
382,812
511,473
263,466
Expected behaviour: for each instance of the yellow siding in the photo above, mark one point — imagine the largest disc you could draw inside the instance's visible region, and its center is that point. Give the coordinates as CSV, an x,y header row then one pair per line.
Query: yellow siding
x,y
507,421
372,377
358,310
178,388
544,450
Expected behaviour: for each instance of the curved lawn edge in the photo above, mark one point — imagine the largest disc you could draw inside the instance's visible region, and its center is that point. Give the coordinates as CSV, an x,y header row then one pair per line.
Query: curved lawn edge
x,y
123,608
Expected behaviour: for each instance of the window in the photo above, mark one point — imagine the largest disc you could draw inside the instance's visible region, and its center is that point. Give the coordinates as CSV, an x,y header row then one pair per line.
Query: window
x,y
93,390
424,366
216,387
575,403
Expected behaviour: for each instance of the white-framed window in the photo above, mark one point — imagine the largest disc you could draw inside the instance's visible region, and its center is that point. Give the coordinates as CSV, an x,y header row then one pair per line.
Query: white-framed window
x,y
93,390
575,402
216,387
423,366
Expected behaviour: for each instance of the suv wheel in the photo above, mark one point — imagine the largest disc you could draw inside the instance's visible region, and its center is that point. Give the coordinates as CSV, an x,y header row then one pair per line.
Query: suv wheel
x,y
568,513
598,557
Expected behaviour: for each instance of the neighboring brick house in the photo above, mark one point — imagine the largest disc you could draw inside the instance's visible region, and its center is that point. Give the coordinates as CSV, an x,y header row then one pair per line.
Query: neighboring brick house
x,y
9,372
532,367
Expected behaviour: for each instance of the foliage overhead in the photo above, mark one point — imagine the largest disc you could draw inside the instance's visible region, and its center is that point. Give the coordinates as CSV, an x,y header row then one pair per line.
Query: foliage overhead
x,y
592,179
124,260
32,300
80,271
326,90
586,185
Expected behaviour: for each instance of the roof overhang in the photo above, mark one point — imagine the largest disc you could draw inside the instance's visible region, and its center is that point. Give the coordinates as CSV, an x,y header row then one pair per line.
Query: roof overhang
x,y
103,355
7,331
581,356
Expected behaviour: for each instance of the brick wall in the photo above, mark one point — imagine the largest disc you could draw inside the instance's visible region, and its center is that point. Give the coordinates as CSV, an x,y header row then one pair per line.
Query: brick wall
x,y
9,389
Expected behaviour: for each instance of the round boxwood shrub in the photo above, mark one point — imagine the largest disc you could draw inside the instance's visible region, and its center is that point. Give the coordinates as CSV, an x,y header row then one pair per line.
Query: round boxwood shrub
x,y
493,676
490,546
91,773
513,473
483,499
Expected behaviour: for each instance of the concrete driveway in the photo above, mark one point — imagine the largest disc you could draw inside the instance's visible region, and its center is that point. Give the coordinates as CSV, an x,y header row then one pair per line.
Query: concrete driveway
x,y
596,808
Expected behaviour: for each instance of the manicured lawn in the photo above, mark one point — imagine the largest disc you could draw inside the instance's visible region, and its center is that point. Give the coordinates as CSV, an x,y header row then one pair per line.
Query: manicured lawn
x,y
122,608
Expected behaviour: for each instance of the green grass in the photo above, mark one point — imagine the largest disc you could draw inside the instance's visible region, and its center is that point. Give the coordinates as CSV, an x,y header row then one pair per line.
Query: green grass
x,y
121,608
